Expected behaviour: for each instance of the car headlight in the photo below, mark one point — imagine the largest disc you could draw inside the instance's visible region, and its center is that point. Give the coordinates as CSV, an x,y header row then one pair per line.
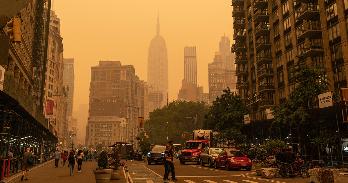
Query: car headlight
x,y
195,154
148,154
162,154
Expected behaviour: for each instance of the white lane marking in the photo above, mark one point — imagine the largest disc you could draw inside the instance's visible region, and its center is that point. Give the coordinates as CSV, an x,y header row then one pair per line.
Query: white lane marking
x,y
209,181
230,181
201,176
250,181
153,171
237,175
150,181
189,181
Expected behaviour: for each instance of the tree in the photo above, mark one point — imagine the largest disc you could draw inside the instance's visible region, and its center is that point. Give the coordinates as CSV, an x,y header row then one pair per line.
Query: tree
x,y
299,113
144,143
175,120
226,116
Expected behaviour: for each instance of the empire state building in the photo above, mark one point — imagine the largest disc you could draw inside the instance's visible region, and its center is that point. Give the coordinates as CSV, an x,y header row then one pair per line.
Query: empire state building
x,y
157,71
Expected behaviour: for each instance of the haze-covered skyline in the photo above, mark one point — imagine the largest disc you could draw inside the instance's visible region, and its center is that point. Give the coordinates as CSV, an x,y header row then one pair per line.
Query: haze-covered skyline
x,y
122,30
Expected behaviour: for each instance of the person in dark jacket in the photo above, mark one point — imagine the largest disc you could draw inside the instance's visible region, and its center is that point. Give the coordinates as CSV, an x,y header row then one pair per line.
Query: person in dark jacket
x,y
71,160
28,161
169,162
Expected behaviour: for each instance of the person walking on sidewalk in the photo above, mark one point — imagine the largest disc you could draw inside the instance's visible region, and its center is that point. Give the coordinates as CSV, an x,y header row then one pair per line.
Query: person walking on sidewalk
x,y
28,161
64,157
71,160
57,155
79,160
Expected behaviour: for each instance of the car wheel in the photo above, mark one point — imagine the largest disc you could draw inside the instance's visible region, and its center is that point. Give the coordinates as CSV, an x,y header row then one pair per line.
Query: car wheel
x,y
227,167
201,162
216,165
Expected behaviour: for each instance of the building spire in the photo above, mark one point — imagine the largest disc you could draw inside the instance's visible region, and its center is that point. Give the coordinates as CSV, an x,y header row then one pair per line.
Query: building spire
x,y
158,23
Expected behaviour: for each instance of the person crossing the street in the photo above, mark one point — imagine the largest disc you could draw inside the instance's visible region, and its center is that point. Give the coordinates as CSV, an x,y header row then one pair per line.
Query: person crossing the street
x,y
169,162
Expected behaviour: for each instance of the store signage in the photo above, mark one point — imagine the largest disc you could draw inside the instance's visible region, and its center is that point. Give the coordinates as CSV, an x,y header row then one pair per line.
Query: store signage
x,y
2,78
325,100
269,114
247,119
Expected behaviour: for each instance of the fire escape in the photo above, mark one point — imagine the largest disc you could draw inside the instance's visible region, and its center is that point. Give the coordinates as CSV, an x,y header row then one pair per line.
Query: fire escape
x,y
265,84
239,47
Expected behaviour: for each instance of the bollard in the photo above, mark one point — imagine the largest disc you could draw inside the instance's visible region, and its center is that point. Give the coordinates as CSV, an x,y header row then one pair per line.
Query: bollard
x,y
8,168
3,169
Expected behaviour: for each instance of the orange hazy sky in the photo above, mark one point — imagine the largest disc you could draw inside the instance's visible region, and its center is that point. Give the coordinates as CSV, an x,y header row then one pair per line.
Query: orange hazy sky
x,y
121,30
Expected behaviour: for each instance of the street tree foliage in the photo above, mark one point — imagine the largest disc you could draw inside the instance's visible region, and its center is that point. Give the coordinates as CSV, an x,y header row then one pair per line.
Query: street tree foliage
x,y
300,113
144,142
226,116
177,121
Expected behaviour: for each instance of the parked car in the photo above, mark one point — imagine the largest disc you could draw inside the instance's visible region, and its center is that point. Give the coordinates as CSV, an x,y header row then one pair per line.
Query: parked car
x,y
232,159
192,151
208,156
156,155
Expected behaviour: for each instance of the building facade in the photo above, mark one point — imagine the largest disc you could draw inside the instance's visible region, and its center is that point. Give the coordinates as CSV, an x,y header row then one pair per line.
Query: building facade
x,y
221,72
68,89
55,102
189,90
274,37
157,70
116,93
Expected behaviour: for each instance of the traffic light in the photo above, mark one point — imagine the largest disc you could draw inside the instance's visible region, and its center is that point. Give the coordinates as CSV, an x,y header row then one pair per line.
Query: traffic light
x,y
13,30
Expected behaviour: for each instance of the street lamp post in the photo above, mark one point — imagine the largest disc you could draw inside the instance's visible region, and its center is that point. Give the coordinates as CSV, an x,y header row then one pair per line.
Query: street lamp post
x,y
167,131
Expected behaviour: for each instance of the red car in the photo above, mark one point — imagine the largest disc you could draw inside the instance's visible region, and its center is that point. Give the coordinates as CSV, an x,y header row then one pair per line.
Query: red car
x,y
232,159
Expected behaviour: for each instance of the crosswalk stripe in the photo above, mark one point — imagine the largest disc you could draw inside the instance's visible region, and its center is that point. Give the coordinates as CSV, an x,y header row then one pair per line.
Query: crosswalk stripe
x,y
250,181
230,181
149,181
209,181
189,181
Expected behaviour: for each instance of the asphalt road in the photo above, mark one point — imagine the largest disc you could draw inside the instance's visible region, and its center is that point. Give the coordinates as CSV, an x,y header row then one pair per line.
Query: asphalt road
x,y
191,173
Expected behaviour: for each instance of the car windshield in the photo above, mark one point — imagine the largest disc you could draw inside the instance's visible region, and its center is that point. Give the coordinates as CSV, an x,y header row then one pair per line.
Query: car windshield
x,y
215,150
193,145
234,153
158,149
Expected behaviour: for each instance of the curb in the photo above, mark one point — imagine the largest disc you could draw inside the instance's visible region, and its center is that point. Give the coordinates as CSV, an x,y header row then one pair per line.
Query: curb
x,y
16,177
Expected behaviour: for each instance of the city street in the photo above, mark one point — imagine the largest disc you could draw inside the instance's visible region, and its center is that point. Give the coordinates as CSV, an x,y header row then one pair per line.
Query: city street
x,y
140,172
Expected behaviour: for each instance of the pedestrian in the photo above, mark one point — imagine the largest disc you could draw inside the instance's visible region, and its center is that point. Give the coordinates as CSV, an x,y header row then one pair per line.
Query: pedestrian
x,y
71,160
169,162
28,161
57,155
64,157
79,160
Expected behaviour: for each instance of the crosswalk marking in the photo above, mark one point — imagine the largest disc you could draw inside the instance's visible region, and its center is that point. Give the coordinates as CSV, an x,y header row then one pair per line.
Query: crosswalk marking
x,y
189,181
209,181
250,181
149,181
230,181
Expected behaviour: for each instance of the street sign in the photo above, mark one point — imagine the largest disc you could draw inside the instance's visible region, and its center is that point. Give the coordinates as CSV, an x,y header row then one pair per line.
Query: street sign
x,y
247,119
325,100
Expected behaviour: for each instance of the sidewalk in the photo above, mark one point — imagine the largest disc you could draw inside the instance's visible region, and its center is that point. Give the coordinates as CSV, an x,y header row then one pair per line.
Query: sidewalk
x,y
49,174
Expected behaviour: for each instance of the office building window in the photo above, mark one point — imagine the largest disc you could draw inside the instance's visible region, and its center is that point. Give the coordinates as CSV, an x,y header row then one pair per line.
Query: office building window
x,y
331,11
286,7
287,23
334,32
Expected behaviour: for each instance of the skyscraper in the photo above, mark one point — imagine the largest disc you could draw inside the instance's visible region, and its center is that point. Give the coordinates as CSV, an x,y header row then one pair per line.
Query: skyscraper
x,y
190,65
282,36
157,70
189,90
222,71
116,101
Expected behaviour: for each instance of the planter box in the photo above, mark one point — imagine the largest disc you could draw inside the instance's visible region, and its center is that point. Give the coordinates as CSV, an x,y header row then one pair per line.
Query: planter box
x,y
115,175
103,175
